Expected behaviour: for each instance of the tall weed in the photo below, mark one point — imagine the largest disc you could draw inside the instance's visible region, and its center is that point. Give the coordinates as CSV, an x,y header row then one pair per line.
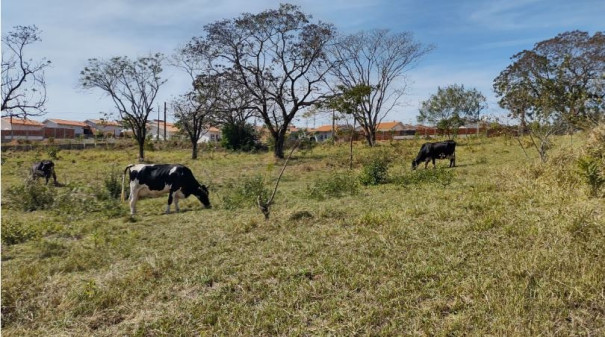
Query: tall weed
x,y
590,172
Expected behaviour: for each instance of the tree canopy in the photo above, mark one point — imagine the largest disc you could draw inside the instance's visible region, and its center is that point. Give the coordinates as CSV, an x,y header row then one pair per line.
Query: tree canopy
x,y
560,78
452,106
277,55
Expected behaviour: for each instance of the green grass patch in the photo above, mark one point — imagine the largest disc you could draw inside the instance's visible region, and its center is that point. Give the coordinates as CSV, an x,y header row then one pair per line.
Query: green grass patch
x,y
500,245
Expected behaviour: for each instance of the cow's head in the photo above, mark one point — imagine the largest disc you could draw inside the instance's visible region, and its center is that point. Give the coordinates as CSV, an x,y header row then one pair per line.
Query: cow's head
x,y
414,164
202,195
46,166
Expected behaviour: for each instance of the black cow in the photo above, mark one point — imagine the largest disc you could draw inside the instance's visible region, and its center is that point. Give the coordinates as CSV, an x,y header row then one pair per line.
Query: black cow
x,y
46,169
438,150
156,179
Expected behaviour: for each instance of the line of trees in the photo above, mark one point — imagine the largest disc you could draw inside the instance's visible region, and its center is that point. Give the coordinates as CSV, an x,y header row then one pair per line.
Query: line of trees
x,y
278,63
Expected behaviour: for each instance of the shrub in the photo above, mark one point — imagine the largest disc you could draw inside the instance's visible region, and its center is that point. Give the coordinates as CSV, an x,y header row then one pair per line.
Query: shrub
x,y
239,137
590,171
375,170
244,192
595,144
30,196
17,232
53,152
113,184
335,185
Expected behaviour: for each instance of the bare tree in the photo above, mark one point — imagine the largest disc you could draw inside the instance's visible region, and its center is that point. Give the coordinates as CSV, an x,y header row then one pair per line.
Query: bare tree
x,y
377,59
278,56
23,83
194,110
132,85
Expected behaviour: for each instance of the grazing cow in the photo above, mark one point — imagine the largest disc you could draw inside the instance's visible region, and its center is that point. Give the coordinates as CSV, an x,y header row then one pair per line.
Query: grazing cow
x,y
46,169
438,150
156,179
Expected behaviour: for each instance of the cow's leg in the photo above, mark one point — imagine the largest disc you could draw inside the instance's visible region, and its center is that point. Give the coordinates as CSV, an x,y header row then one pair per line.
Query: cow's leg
x,y
453,160
54,177
426,163
134,196
176,202
169,202
47,176
434,166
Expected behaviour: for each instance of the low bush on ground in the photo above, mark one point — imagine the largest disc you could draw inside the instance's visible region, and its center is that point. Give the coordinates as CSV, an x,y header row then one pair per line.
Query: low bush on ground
x,y
335,185
30,196
243,192
375,169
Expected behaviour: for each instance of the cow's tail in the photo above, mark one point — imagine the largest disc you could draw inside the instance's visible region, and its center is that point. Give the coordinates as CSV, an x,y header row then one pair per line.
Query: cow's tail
x,y
122,197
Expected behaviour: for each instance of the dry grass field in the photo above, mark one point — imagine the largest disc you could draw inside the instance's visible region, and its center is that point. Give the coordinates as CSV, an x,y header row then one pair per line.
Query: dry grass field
x,y
501,245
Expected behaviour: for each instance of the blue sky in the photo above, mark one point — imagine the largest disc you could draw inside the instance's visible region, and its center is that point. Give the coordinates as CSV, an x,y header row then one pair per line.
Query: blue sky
x,y
474,39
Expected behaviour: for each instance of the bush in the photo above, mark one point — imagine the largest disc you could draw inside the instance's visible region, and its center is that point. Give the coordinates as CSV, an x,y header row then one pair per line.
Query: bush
x,y
375,170
335,185
595,144
239,137
17,232
30,196
590,171
113,184
244,192
53,152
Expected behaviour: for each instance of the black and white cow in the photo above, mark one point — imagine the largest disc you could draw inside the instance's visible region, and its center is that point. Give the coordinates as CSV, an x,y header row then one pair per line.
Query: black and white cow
x,y
157,179
438,150
46,169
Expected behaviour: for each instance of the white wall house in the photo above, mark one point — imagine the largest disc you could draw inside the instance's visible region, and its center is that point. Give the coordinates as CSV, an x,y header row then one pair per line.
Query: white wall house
x,y
210,135
17,128
112,128
322,133
155,128
80,128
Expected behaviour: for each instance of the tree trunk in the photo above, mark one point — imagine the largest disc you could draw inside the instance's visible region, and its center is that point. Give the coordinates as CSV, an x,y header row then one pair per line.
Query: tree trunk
x,y
141,150
351,147
278,152
370,137
194,150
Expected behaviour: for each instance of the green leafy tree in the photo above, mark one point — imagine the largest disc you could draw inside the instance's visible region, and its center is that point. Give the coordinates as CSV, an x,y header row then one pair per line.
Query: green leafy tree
x,y
378,59
132,85
451,107
560,78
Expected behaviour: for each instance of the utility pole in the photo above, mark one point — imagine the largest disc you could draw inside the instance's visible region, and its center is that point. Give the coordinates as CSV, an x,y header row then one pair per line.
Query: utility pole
x,y
157,134
164,120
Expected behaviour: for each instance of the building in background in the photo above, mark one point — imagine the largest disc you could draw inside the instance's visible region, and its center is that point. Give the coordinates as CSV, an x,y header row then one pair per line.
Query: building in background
x,y
58,128
155,128
108,128
17,128
210,135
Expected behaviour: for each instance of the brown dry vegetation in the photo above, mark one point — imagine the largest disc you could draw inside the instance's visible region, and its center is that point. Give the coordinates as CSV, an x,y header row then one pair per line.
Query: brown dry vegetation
x,y
500,245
